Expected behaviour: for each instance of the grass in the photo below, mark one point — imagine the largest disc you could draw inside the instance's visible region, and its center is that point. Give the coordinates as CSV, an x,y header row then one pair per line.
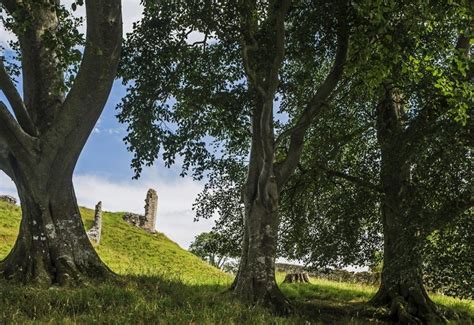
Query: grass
x,y
161,282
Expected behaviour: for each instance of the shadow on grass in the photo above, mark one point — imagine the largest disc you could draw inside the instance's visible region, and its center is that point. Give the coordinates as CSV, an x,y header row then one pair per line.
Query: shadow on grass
x,y
152,299
130,300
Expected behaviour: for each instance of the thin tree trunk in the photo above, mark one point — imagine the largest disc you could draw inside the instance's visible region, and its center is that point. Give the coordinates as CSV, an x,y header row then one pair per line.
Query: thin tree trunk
x,y
52,246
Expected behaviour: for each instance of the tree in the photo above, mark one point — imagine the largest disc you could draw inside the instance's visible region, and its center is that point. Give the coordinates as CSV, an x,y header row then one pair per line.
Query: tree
x,y
41,142
223,90
214,248
412,105
404,150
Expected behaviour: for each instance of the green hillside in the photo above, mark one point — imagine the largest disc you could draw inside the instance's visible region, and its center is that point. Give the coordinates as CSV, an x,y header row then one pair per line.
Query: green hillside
x,y
161,282
126,249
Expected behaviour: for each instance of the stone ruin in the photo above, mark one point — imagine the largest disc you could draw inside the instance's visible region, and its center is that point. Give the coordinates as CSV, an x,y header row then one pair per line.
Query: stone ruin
x,y
95,232
8,199
147,221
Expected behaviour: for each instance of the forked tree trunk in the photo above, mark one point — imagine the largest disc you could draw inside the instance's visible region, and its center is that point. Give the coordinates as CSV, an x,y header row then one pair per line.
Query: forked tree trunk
x,y
40,147
263,52
52,246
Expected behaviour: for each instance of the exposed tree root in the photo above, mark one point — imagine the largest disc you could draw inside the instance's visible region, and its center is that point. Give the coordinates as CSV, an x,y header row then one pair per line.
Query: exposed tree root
x,y
43,270
411,305
269,296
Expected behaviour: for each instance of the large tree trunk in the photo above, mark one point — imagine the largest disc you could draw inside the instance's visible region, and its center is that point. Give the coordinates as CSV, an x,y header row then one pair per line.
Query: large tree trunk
x,y
40,145
267,175
52,246
255,281
401,287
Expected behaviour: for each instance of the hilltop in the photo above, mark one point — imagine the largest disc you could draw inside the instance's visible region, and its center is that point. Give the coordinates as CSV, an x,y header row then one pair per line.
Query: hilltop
x,y
161,281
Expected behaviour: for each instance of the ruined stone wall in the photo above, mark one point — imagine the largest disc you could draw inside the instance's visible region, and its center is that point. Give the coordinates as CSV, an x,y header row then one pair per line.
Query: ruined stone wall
x,y
148,220
95,232
151,207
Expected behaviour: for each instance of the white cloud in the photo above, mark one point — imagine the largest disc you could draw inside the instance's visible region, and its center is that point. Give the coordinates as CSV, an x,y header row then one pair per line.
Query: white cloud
x,y
175,199
6,186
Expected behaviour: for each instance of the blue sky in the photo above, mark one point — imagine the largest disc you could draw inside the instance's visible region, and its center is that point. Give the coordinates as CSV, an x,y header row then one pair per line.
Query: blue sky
x,y
103,171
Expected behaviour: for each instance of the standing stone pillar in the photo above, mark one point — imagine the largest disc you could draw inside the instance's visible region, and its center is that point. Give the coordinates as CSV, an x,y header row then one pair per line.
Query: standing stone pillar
x,y
95,232
151,207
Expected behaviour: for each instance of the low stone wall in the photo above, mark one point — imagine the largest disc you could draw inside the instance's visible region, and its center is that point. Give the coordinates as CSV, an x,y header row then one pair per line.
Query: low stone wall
x,y
135,219
7,198
369,278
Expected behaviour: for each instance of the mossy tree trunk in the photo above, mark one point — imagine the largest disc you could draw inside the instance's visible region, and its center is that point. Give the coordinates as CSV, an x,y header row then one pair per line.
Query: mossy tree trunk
x,y
52,247
41,141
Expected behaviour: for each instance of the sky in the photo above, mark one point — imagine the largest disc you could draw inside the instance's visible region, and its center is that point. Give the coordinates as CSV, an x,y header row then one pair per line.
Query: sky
x,y
103,172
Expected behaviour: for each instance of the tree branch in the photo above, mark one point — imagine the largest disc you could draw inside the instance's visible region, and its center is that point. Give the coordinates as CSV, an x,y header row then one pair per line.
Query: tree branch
x,y
16,102
11,133
10,5
10,129
270,84
313,108
450,210
415,131
86,100
4,161
353,179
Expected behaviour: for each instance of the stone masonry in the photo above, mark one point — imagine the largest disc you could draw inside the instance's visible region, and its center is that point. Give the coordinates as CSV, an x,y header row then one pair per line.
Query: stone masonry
x,y
147,221
151,207
96,231
7,198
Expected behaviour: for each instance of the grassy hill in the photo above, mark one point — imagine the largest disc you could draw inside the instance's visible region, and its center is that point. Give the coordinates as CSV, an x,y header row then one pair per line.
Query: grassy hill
x,y
133,251
125,249
162,282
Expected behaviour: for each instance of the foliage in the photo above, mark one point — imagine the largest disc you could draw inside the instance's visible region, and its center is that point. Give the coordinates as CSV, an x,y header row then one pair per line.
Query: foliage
x,y
449,259
338,172
64,42
214,248
184,98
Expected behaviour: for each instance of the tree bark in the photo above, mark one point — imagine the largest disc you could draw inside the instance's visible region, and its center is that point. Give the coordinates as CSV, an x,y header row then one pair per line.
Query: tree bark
x,y
401,286
40,147
263,58
255,281
296,278
52,246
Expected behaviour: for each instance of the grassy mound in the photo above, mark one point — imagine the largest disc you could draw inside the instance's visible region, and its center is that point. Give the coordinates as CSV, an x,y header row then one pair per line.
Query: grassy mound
x,y
126,249
163,283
